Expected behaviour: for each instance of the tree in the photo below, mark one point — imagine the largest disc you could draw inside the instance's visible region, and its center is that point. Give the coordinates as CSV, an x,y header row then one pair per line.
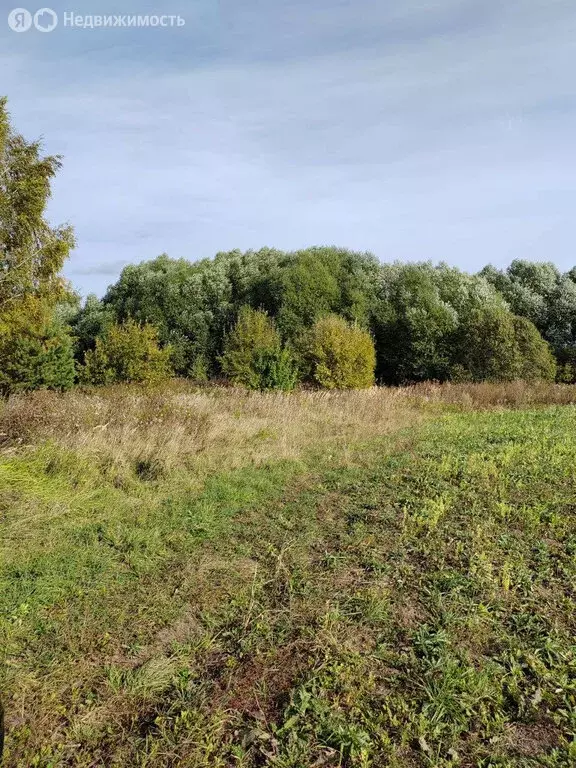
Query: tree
x,y
31,251
537,360
538,292
189,304
255,278
339,355
412,326
127,352
34,348
494,345
89,322
324,280
253,354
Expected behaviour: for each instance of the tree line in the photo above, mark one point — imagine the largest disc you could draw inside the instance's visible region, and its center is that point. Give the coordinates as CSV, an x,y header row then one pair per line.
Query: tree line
x,y
265,319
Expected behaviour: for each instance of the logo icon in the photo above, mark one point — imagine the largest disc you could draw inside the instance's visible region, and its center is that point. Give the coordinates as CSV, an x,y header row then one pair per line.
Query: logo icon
x,y
45,20
20,20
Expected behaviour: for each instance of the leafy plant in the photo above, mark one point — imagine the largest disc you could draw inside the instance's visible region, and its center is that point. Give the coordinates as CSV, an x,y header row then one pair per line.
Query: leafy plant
x,y
253,354
339,355
127,352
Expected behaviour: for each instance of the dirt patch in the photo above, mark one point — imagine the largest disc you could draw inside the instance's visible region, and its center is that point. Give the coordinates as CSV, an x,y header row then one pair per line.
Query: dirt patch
x,y
531,739
408,614
260,687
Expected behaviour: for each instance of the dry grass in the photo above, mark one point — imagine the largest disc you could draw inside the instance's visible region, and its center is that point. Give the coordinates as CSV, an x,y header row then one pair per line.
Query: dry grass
x,y
158,431
513,394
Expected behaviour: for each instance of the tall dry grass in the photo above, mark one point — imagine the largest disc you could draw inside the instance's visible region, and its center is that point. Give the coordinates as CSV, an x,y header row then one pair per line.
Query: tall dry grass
x,y
156,431
512,394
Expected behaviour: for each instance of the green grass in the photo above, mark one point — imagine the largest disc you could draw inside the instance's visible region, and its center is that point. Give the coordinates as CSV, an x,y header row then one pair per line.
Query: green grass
x,y
410,604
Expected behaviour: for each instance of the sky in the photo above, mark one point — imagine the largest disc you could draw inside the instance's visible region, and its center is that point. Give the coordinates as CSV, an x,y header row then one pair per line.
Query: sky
x,y
414,129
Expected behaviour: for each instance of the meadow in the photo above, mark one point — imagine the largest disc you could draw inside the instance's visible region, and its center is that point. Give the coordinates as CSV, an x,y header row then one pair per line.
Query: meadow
x,y
211,577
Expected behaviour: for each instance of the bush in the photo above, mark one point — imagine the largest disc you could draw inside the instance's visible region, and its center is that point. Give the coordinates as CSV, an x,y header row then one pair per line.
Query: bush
x,y
566,369
36,361
128,352
339,355
253,354
277,370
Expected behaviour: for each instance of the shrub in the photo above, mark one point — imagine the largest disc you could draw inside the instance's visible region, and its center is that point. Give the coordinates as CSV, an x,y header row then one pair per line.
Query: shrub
x,y
566,369
253,354
277,369
198,370
128,352
339,355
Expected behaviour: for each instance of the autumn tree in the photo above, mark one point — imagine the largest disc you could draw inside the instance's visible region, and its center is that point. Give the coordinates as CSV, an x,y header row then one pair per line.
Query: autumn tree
x,y
339,354
127,352
32,253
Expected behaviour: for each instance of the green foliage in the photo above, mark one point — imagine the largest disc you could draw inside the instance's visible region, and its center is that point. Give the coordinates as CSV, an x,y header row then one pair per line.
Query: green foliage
x,y
255,278
485,347
440,323
127,352
198,371
318,281
494,345
253,354
412,326
419,314
277,369
540,293
31,251
88,323
189,304
310,289
339,355
536,358
35,350
193,304
566,367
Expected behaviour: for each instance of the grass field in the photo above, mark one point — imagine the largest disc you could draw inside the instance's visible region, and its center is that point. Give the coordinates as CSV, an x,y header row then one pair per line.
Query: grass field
x,y
214,579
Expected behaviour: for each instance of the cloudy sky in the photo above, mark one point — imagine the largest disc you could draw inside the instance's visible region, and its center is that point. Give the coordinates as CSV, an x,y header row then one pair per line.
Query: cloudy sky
x,y
416,129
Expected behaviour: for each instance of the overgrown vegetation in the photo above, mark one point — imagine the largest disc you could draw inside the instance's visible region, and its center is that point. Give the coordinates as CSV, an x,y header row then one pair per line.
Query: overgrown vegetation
x,y
254,356
348,579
